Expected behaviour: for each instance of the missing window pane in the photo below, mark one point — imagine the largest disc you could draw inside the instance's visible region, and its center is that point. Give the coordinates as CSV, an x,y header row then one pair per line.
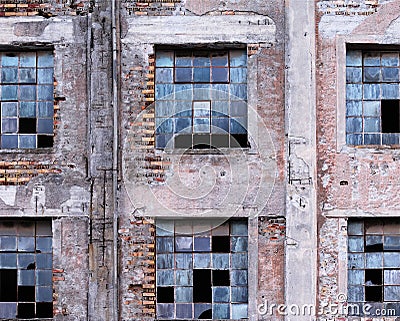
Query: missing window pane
x,y
373,293
202,286
8,285
26,310
373,277
221,244
165,294
221,277
390,116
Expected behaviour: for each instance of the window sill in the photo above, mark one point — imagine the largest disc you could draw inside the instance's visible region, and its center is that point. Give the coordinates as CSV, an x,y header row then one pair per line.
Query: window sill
x,y
43,150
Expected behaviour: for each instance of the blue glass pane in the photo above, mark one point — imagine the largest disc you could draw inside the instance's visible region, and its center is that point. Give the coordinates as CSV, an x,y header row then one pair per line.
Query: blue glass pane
x,y
371,91
353,124
164,108
9,141
353,75
184,277
392,293
201,92
390,91
8,60
184,311
219,59
165,59
183,125
201,61
9,75
220,294
391,243
164,227
239,311
45,59
183,294
201,75
238,126
8,243
164,75
27,59
26,261
219,75
8,310
183,108
26,244
201,125
44,277
44,244
238,75
352,139
372,74
165,277
202,261
390,139
238,244
45,76
221,311
44,294
355,293
165,91
183,244
45,92
201,109
391,259
238,58
372,139
374,260
9,109
392,277
44,261
354,108
8,260
200,308
238,228
372,125
9,125
183,74
239,277
239,294
163,140
184,92
390,59
372,108
164,125
9,92
220,92
355,277
27,141
220,108
165,261
27,92
26,277
356,261
354,58
183,261
45,126
46,109
202,244
27,75
372,59
220,261
27,109
238,91
165,311
390,74
355,228
164,244
239,261
220,125
356,244
353,92
183,59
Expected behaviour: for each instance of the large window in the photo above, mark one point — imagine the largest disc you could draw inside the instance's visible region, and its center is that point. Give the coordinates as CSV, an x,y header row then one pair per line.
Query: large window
x,y
374,263
201,98
201,270
27,90
372,97
26,269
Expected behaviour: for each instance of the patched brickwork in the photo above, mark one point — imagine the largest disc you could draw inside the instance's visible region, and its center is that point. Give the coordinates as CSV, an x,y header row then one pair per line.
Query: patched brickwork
x,y
45,8
348,8
154,7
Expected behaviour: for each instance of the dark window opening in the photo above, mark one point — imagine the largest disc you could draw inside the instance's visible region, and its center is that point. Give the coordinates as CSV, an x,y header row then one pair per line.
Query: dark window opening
x,y
202,286
206,314
27,125
221,277
26,310
373,277
390,116
8,289
221,244
165,294
378,247
26,293
44,310
45,141
373,293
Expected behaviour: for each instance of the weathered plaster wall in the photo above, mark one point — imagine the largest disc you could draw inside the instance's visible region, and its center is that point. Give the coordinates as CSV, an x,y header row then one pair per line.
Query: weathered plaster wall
x,y
352,182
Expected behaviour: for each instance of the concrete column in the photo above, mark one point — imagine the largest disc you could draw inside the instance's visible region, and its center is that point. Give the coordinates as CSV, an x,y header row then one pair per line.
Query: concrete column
x,y
301,208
